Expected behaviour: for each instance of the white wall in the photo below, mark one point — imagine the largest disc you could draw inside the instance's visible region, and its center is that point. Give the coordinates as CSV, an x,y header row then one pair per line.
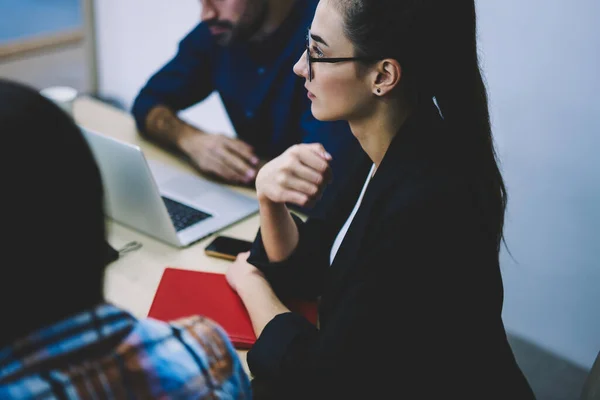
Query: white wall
x,y
542,60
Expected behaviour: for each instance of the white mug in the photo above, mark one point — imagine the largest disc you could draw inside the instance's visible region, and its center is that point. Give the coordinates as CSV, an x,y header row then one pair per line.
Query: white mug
x,y
63,96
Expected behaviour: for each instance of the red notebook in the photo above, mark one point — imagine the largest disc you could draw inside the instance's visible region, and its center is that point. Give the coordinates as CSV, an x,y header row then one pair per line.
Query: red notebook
x,y
182,293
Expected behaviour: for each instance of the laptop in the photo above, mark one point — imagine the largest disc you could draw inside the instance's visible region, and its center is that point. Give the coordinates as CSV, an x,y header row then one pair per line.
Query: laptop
x,y
161,201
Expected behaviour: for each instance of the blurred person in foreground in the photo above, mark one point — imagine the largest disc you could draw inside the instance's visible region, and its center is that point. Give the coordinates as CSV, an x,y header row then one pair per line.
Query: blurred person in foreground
x,y
60,338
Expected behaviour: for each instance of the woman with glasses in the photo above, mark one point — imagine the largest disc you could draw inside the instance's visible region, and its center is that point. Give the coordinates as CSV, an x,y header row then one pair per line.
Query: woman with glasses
x,y
405,261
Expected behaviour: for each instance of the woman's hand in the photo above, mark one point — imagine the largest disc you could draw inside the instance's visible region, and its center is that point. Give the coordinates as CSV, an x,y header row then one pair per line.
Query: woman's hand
x,y
257,295
241,272
298,176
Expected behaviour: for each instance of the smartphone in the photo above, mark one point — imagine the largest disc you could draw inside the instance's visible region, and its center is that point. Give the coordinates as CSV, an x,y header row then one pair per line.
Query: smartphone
x,y
227,247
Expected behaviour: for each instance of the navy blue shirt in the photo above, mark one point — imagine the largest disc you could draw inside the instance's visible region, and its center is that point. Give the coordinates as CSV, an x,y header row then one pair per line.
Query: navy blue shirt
x,y
266,102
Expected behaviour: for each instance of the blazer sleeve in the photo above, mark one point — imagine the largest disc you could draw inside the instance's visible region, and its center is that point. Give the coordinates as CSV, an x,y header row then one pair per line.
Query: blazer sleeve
x,y
413,307
184,81
301,275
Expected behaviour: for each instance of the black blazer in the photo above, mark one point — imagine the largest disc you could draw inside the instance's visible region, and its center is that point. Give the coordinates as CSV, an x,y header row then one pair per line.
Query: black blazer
x,y
411,307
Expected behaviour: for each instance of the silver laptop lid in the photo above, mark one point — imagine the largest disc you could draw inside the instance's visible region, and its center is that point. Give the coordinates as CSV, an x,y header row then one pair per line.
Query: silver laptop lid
x,y
137,189
131,195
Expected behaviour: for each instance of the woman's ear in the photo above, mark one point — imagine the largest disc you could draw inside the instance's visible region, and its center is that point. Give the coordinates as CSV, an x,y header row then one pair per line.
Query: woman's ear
x,y
388,76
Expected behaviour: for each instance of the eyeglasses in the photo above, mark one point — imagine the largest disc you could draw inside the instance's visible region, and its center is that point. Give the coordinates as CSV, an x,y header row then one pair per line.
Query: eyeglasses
x,y
310,60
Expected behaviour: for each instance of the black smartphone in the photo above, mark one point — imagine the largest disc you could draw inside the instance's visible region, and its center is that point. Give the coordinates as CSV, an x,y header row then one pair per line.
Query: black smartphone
x,y
227,247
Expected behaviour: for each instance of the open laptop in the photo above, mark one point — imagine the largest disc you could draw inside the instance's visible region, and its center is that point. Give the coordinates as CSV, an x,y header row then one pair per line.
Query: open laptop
x,y
161,201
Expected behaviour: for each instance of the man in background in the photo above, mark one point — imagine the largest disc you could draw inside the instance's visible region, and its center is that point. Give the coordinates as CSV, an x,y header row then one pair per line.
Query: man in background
x,y
245,50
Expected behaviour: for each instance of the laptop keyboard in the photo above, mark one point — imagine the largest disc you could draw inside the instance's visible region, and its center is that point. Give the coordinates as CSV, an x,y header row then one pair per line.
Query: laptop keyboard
x,y
182,215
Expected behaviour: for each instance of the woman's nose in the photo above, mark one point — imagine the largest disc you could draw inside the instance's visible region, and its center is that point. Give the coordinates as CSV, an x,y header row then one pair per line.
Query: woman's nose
x,y
300,68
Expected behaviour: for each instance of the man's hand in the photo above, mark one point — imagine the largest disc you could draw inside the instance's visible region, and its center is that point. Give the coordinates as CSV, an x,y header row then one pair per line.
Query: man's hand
x,y
230,159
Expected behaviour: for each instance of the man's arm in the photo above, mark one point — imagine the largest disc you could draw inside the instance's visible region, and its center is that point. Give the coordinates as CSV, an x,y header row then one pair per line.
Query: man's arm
x,y
164,126
184,81
230,159
181,83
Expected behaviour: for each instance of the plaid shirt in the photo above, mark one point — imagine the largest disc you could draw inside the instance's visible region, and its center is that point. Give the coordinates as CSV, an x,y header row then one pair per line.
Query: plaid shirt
x,y
106,353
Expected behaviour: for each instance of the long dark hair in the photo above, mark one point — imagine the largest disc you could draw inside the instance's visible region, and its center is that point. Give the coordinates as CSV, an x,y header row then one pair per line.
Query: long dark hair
x,y
435,41
53,214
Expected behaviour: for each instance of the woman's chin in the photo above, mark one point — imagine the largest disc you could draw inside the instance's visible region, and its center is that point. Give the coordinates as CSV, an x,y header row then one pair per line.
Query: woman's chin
x,y
322,115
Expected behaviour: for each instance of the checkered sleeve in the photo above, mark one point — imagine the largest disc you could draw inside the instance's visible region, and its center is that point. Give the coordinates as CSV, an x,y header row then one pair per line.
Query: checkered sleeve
x,y
223,368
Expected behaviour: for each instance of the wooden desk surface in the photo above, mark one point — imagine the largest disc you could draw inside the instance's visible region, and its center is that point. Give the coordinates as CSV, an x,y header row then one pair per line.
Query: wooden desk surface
x,y
131,281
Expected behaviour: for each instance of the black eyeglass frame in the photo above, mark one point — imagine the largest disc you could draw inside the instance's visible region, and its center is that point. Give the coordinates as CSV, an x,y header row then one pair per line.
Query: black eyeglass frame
x,y
310,60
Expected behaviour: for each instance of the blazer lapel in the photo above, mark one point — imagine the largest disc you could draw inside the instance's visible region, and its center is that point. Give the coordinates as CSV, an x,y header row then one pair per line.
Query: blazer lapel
x,y
401,160
347,254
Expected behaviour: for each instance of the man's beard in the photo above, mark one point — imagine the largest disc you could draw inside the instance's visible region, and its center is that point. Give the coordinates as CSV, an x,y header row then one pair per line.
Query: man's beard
x,y
250,23
224,38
